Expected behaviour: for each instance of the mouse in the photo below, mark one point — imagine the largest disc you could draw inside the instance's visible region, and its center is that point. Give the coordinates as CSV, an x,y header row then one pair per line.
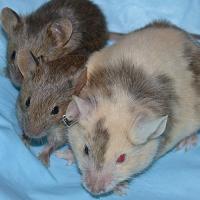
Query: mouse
x,y
54,30
141,98
45,92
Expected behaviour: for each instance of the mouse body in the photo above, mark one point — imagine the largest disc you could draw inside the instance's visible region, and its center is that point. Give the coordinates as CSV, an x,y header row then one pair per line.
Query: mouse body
x,y
140,100
54,30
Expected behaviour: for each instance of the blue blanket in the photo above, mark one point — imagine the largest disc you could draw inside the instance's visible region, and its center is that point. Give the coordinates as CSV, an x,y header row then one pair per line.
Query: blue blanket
x,y
176,176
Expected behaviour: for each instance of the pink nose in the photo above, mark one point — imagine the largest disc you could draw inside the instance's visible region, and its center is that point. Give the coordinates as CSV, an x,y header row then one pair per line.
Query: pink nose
x,y
97,184
33,131
96,187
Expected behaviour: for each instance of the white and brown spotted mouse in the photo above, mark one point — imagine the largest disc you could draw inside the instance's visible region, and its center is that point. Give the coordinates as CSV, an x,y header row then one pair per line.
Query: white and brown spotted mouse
x,y
142,97
55,29
46,52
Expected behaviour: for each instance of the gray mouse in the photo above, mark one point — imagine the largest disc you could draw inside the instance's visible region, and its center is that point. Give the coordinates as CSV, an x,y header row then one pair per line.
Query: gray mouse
x,y
43,48
141,99
55,29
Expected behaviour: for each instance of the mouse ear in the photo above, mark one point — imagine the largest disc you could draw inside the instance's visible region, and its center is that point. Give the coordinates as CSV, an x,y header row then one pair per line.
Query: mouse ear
x,y
78,108
60,32
145,128
10,20
26,62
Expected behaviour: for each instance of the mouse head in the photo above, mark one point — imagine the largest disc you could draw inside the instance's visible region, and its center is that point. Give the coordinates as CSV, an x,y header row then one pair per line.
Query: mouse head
x,y
46,91
112,142
44,34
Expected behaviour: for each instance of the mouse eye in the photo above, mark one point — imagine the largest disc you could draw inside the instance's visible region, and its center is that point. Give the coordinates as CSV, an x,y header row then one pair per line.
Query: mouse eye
x,y
86,150
55,110
70,85
28,101
121,158
13,55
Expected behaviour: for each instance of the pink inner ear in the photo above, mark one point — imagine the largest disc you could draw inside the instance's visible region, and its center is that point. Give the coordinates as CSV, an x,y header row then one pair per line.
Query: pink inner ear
x,y
78,108
84,106
26,62
72,111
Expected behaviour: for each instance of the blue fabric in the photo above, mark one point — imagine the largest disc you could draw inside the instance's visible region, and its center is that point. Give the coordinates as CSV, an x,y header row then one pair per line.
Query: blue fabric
x,y
176,176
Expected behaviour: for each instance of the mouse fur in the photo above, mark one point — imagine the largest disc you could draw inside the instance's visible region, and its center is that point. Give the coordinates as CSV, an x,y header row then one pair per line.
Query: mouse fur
x,y
54,30
140,100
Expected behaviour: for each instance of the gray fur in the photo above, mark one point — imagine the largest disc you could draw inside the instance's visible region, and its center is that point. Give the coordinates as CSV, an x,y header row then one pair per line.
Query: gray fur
x,y
33,31
100,142
157,93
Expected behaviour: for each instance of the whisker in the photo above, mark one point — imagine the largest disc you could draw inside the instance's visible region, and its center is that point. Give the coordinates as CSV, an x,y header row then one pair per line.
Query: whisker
x,y
30,140
41,141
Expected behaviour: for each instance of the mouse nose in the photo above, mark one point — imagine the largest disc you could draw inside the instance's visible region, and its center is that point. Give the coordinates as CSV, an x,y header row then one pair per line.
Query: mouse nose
x,y
97,184
96,187
33,131
97,190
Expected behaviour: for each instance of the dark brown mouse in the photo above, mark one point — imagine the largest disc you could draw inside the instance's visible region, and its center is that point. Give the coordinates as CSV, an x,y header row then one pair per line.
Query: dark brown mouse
x,y
54,30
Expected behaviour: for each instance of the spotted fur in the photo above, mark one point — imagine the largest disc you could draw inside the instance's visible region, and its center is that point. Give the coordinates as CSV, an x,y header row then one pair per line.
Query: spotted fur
x,y
147,75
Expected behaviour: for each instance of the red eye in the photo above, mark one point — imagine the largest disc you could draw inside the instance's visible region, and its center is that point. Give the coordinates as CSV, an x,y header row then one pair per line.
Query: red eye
x,y
121,158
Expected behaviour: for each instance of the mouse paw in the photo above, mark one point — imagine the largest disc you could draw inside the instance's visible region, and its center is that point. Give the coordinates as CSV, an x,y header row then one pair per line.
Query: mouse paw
x,y
188,143
121,188
44,158
67,155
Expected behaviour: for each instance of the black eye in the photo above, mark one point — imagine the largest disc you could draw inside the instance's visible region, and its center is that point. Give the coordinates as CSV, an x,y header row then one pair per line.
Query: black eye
x,y
55,110
86,150
70,85
13,55
28,101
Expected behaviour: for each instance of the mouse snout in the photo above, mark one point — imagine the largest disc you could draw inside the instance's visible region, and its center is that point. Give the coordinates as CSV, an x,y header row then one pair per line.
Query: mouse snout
x,y
32,131
97,183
